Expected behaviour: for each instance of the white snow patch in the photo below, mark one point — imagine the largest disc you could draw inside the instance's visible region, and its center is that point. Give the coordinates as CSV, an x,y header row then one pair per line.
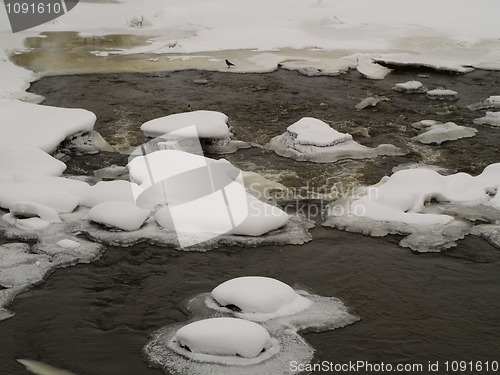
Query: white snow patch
x,y
440,133
223,337
491,102
22,160
41,126
105,191
313,140
371,101
119,214
370,69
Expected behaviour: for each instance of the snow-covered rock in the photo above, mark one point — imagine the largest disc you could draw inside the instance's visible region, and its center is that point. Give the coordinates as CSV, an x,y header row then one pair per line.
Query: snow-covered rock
x,y
31,209
440,133
23,159
491,118
442,94
257,298
41,126
399,204
119,214
311,139
224,337
209,124
58,193
410,87
105,191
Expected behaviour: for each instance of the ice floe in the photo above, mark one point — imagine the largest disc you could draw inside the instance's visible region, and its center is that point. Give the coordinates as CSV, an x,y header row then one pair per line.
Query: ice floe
x,y
285,343
41,126
371,101
491,118
410,87
310,139
370,69
439,133
119,214
490,102
402,204
442,94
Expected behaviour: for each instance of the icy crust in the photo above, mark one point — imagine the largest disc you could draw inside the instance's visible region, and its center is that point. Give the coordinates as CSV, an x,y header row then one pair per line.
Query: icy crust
x,y
439,133
313,140
491,118
400,205
295,232
22,265
324,314
41,126
410,87
257,298
229,337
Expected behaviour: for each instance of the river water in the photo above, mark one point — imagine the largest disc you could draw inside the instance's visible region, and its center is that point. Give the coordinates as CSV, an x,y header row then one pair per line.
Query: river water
x,y
94,319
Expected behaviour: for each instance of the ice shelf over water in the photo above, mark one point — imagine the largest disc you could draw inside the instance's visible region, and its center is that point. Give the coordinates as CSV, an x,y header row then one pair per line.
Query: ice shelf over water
x,y
439,133
402,204
491,118
310,139
281,345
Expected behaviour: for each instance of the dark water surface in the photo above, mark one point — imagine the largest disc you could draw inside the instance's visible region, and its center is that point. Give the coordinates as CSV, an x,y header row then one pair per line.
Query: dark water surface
x,y
414,308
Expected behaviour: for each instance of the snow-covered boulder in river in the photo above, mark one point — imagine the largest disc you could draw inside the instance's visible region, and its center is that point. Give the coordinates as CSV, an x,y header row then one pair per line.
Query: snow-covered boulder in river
x,y
310,139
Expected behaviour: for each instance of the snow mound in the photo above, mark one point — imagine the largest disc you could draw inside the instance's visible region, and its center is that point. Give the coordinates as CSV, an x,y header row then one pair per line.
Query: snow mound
x,y
30,209
491,118
400,204
27,160
41,126
410,87
223,337
442,94
257,298
449,131
310,139
209,124
491,102
119,214
60,194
